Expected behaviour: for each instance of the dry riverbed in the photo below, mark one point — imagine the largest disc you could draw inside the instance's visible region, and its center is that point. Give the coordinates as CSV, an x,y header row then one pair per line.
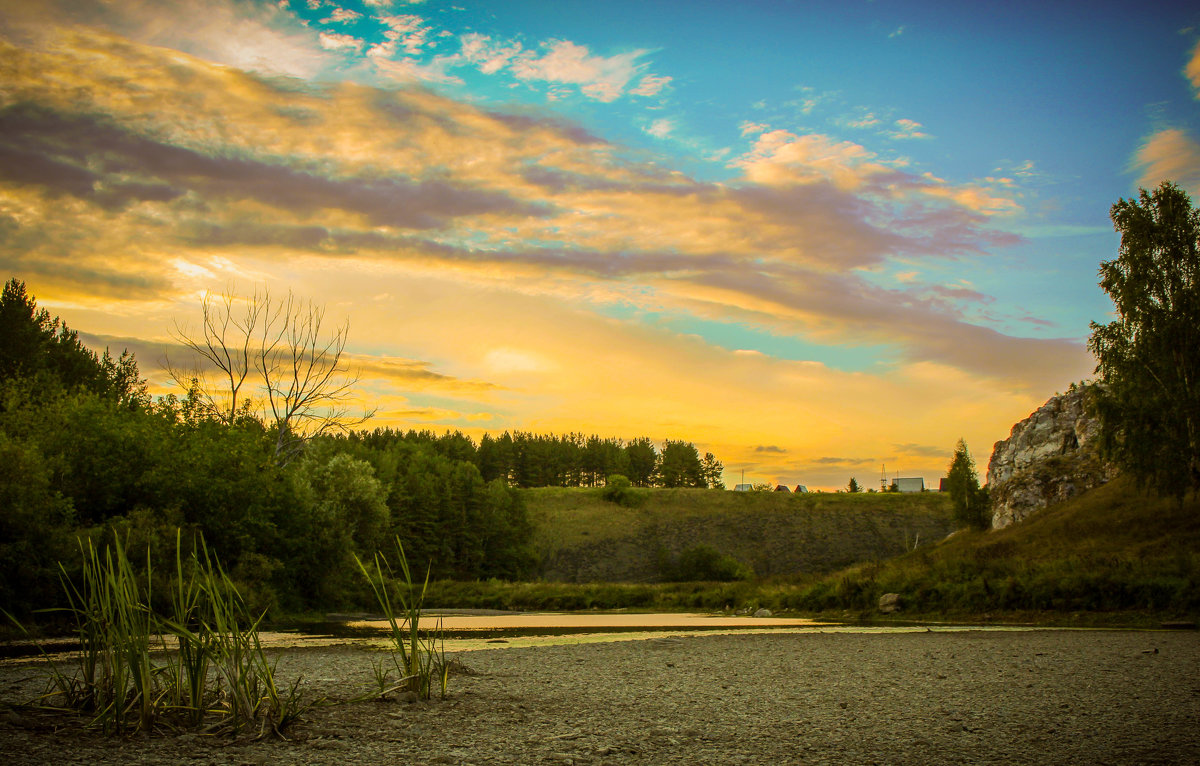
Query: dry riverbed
x,y
1037,697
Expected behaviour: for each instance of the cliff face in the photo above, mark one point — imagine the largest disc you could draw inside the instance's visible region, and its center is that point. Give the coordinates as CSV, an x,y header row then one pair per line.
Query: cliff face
x,y
1050,456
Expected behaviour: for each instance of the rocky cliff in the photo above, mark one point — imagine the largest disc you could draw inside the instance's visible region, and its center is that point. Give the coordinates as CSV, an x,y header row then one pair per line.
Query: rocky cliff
x,y
1050,456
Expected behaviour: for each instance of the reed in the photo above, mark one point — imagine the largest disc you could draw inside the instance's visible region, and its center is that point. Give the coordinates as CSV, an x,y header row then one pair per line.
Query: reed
x,y
202,667
420,662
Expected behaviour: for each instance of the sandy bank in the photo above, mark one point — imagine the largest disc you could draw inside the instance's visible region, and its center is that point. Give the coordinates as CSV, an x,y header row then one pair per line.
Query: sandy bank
x,y
1044,697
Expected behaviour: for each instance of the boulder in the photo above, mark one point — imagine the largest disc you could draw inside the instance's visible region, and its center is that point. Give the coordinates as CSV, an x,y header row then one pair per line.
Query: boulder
x,y
763,613
889,603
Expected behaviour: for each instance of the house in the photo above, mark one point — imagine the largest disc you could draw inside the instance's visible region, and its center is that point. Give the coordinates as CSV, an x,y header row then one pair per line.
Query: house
x,y
782,488
943,484
909,485
743,487
801,488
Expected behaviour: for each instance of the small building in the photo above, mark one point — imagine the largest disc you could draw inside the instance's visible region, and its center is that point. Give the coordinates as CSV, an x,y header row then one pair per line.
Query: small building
x,y
909,485
782,488
801,488
743,487
943,484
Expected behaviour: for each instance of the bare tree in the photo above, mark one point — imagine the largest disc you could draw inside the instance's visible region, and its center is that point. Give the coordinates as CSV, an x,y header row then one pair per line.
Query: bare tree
x,y
304,381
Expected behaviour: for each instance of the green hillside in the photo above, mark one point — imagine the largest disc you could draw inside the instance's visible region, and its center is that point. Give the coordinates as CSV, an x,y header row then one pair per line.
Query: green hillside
x,y
581,537
1109,550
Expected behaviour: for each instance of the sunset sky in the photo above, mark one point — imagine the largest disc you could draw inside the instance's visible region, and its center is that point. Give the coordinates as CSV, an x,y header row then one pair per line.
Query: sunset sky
x,y
813,238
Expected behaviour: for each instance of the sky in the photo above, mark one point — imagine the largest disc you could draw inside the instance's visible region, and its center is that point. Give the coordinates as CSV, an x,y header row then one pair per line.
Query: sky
x,y
820,240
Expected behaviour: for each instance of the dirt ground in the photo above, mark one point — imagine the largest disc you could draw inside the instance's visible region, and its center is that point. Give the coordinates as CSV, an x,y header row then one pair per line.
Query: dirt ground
x,y
1038,697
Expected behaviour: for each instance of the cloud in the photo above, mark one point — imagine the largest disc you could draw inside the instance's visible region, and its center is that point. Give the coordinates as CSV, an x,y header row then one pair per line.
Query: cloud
x,y
907,129
598,77
842,461
334,41
342,16
406,31
410,70
770,448
1192,70
1169,155
268,39
660,128
651,85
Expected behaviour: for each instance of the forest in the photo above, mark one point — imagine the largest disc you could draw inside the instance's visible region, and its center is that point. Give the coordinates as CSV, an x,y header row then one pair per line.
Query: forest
x,y
87,452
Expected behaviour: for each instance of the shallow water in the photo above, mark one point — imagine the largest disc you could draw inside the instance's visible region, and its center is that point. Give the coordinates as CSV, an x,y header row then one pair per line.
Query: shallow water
x,y
473,632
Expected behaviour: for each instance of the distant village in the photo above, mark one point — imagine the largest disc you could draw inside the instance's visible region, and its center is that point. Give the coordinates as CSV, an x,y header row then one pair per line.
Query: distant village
x,y
898,484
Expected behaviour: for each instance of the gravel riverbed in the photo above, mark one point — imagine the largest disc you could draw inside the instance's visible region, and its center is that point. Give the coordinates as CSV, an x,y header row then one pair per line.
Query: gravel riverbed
x,y
1002,697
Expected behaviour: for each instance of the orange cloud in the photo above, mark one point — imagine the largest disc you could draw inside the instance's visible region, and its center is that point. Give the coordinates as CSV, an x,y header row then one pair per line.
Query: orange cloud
x,y
1169,155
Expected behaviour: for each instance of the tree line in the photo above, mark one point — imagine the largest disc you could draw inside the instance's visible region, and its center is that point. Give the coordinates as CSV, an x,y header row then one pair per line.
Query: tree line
x,y
522,459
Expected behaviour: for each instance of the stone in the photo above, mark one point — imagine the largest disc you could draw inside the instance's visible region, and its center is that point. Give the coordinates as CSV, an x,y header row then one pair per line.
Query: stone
x,y
889,603
763,613
1050,456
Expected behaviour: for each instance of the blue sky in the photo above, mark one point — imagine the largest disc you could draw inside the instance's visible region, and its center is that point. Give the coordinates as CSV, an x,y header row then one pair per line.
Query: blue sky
x,y
850,232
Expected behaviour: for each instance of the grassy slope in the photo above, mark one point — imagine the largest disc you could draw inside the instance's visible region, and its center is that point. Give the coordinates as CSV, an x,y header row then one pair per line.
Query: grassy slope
x,y
584,538
1111,549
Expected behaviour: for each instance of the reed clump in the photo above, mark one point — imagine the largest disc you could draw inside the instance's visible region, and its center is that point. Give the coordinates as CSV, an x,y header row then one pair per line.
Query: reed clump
x,y
418,661
203,667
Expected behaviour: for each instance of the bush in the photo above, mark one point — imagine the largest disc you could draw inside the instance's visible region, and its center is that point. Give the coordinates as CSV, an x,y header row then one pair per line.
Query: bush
x,y
619,489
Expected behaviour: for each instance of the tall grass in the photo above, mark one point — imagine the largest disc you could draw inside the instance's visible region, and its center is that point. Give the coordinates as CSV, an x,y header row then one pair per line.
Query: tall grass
x,y
202,667
420,662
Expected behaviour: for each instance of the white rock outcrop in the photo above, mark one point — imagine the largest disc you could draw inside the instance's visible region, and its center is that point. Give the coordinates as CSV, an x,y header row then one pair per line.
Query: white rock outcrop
x,y
1050,456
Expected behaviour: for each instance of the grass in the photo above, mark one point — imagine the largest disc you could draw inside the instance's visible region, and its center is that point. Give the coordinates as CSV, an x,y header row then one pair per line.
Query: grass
x,y
202,667
582,537
1112,556
1112,550
419,661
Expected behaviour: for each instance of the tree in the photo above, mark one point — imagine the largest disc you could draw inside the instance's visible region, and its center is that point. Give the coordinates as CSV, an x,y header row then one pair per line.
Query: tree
x,y
711,469
1148,360
853,485
642,460
967,499
300,370
679,465
50,356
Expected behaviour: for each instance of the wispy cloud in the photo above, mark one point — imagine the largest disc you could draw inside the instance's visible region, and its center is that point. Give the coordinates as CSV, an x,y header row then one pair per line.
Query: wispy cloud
x,y
651,85
341,16
1192,70
906,129
660,128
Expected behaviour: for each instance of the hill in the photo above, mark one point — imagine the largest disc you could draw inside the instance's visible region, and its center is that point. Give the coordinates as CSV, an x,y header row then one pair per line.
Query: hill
x,y
1111,549
582,537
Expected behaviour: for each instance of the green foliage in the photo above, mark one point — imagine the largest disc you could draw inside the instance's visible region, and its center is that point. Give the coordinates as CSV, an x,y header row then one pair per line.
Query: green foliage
x,y
679,465
711,470
619,490
969,501
853,487
1108,550
706,563
1148,359
49,357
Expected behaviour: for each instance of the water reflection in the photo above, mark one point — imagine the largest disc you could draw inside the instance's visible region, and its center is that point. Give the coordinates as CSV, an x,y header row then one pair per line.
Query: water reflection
x,y
465,631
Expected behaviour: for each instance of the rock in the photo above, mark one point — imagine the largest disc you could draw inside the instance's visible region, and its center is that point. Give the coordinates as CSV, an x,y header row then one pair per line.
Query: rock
x,y
889,603
763,613
1049,457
